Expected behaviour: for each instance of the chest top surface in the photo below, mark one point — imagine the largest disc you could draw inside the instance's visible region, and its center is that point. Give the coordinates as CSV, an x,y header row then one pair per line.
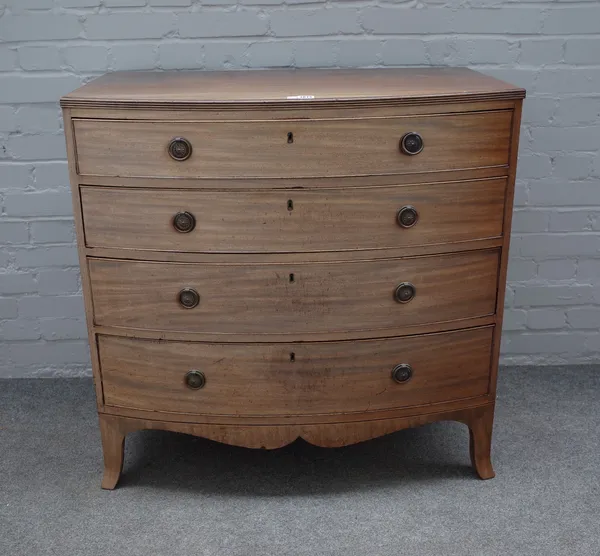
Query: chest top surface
x,y
282,87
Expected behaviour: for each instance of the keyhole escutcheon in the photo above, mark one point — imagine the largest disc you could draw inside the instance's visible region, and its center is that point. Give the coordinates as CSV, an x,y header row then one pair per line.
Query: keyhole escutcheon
x,y
290,205
290,137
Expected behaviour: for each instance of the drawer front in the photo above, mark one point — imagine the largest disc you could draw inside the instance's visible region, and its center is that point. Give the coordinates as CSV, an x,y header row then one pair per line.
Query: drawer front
x,y
290,148
293,298
292,221
288,379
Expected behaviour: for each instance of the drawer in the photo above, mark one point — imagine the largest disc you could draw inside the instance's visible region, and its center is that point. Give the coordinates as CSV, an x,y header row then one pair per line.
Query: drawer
x,y
293,298
294,220
290,148
288,379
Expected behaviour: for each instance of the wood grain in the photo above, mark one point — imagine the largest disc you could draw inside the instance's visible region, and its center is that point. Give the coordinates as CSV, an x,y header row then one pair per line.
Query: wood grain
x,y
346,177
328,435
292,221
508,213
113,444
85,282
294,111
345,182
342,147
255,89
306,419
295,257
480,442
295,379
293,298
282,336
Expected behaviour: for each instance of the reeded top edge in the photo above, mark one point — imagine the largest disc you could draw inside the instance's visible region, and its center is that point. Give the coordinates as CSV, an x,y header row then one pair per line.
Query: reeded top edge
x,y
288,88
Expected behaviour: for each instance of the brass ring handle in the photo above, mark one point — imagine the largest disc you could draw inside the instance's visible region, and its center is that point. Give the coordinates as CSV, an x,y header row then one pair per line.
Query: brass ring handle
x,y
405,292
184,222
189,298
195,380
407,216
180,149
411,143
402,373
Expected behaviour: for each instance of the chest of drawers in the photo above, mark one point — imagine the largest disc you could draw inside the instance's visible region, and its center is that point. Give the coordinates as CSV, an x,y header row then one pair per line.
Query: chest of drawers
x,y
268,255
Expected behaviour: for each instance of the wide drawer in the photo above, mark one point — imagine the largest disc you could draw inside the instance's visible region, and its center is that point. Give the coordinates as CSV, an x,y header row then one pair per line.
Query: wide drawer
x,y
292,221
288,379
290,148
293,298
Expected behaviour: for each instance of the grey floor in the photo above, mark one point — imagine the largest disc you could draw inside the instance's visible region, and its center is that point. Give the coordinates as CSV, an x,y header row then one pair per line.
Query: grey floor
x,y
410,493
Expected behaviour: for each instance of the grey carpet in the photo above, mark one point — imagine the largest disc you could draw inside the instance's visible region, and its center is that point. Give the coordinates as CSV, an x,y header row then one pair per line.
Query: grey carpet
x,y
412,492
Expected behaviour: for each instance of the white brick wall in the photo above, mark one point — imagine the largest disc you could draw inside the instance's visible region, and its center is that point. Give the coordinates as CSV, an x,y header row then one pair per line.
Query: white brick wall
x,y
49,47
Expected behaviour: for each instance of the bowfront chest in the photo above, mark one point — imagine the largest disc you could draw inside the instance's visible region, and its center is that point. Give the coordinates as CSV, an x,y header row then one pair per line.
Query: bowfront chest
x,y
269,255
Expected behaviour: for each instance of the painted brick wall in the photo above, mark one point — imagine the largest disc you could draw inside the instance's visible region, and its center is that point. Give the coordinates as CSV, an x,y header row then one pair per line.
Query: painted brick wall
x,y
49,47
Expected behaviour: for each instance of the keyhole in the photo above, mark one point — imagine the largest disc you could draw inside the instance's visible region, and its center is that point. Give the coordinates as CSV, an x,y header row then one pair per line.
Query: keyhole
x,y
292,277
290,137
290,205
292,357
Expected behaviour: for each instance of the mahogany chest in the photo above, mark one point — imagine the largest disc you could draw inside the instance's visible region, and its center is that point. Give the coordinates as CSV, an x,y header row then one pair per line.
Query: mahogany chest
x,y
269,255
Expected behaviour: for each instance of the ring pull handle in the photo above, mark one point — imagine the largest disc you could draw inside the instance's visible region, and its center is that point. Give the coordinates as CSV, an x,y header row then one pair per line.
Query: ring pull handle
x,y
188,298
407,216
184,222
180,149
195,380
411,143
405,292
402,373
